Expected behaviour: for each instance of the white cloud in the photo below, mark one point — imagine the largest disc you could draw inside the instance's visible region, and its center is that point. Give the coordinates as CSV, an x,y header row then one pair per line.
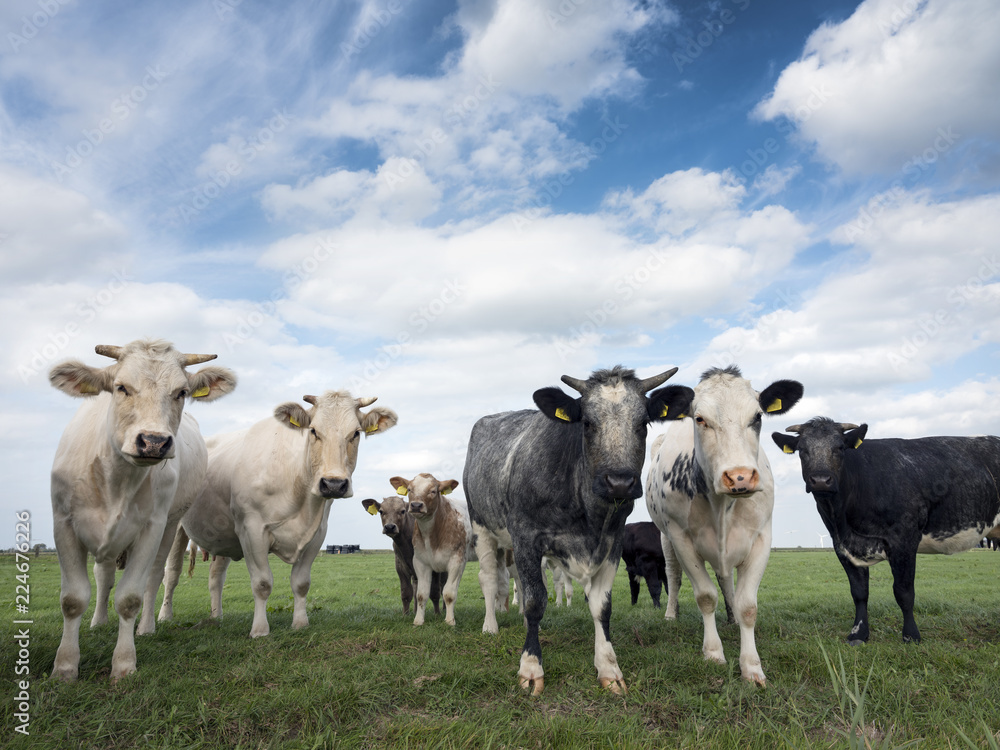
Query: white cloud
x,y
874,91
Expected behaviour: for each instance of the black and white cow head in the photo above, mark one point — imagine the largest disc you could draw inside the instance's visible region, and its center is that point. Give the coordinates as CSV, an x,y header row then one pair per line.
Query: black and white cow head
x,y
611,418
821,443
727,414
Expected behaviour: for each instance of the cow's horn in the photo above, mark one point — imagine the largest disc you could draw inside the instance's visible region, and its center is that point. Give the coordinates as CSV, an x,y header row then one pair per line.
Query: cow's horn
x,y
796,428
367,400
310,400
650,383
108,351
575,383
197,359
845,426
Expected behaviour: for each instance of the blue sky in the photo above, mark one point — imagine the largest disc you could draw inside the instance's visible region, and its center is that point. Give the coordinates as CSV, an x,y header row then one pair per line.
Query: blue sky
x,y
449,205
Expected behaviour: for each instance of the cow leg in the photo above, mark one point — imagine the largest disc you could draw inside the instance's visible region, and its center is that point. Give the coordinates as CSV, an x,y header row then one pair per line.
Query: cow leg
x,y
261,579
456,566
673,571
503,583
147,623
437,583
129,595
608,672
74,598
488,554
405,585
858,579
424,574
534,599
728,594
216,580
104,576
653,584
705,594
301,580
633,587
904,567
172,572
750,572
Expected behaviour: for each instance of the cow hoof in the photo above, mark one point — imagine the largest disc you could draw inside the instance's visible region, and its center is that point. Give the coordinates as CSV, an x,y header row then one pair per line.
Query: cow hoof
x,y
67,674
538,682
615,686
122,672
300,625
756,677
856,642
260,633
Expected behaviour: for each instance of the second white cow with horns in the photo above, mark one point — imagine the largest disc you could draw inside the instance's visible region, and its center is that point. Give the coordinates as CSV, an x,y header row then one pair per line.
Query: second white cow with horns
x,y
711,492
269,489
128,466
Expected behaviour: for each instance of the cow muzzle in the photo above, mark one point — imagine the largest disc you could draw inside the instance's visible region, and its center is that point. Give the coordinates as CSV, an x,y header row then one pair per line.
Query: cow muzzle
x,y
335,487
417,508
821,482
390,529
741,480
152,447
618,486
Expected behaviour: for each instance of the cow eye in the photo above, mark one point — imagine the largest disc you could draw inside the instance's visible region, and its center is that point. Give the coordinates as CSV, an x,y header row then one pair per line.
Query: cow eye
x,y
181,394
699,420
314,433
756,420
357,434
122,390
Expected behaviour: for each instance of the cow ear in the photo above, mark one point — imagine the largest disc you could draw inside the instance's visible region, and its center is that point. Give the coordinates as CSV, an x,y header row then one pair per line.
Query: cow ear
x,y
555,404
672,402
854,438
372,506
781,396
787,443
446,487
77,379
292,415
378,419
210,383
401,486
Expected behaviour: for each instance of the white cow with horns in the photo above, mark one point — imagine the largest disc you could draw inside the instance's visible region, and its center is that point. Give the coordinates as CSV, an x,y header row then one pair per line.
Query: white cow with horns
x,y
270,489
128,466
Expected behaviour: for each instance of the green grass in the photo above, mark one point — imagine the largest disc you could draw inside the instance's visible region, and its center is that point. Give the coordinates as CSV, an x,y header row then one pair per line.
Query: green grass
x,y
362,676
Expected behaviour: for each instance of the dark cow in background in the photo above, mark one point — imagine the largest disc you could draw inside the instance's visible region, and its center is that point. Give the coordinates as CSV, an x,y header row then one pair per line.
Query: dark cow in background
x,y
890,499
397,524
561,482
642,553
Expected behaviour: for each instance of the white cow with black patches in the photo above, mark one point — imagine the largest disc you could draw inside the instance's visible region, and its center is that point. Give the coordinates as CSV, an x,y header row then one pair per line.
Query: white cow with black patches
x,y
128,466
711,492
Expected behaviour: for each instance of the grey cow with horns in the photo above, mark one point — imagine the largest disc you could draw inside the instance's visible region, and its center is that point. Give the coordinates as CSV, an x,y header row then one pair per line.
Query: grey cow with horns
x,y
561,482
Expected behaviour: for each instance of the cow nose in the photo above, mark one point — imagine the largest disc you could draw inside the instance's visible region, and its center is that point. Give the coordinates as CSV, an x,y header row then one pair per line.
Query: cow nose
x,y
334,487
822,482
620,485
150,445
741,479
416,507
390,529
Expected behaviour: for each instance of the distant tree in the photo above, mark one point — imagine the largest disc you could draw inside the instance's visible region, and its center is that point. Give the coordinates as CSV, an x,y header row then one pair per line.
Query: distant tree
x,y
38,549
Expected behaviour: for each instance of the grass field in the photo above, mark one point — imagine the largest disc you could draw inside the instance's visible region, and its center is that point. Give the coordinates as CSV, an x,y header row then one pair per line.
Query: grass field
x,y
362,676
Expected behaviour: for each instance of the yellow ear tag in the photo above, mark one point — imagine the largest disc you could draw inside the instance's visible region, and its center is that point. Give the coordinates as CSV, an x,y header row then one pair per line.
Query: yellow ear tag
x,y
445,492
681,416
373,428
372,510
401,490
88,388
775,406
294,421
787,449
203,391
858,444
561,414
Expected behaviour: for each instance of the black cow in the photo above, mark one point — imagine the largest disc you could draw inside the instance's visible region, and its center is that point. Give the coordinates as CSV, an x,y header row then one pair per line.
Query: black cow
x,y
397,524
561,482
890,499
643,556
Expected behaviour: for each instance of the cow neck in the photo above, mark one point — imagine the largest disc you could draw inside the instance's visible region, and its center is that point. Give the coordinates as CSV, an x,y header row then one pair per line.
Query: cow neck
x,y
403,541
831,509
